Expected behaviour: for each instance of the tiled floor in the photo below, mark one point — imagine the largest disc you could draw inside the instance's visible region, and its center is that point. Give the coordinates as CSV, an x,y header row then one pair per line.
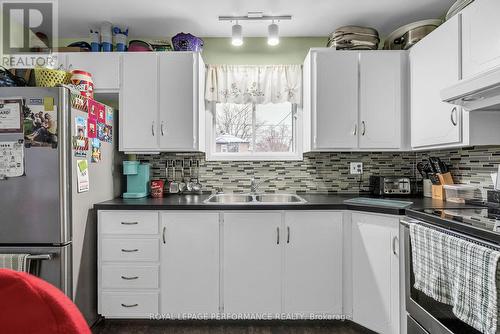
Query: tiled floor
x,y
227,327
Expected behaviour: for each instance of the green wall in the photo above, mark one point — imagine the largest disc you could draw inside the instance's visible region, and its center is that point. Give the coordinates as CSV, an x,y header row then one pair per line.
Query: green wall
x,y
254,51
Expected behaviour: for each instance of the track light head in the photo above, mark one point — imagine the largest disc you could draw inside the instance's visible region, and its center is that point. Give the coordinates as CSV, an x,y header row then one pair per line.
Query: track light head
x,y
237,35
273,37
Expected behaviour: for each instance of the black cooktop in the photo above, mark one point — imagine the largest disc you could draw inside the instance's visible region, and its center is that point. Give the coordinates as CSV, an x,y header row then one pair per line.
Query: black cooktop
x,y
480,222
481,218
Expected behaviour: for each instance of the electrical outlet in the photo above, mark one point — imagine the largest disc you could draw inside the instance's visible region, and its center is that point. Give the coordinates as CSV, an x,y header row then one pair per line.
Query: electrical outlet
x,y
356,168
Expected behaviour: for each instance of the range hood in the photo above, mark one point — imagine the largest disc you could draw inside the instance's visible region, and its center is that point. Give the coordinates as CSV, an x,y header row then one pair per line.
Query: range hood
x,y
481,92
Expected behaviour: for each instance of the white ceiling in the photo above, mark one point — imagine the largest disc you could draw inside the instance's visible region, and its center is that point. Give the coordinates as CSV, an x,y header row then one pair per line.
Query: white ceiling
x,y
165,18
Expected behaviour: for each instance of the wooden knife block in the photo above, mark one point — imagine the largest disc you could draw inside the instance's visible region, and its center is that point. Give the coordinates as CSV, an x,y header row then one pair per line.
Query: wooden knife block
x,y
438,191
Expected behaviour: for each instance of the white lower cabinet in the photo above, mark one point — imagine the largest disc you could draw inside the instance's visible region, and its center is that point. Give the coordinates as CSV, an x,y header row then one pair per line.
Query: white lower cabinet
x,y
252,262
375,272
189,263
313,263
275,263
128,264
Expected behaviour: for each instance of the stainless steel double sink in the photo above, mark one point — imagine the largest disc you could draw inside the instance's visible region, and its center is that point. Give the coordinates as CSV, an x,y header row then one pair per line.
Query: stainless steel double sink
x,y
253,199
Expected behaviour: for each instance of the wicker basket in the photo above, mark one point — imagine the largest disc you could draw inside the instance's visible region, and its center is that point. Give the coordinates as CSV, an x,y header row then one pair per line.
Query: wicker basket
x,y
45,77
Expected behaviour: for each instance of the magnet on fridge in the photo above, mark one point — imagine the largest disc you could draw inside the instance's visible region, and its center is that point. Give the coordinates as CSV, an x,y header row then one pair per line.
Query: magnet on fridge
x,y
92,127
81,126
101,113
79,102
92,107
48,103
109,115
80,146
96,150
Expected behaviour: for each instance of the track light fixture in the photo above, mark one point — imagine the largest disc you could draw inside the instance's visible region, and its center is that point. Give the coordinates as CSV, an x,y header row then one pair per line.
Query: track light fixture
x,y
272,30
273,34
237,34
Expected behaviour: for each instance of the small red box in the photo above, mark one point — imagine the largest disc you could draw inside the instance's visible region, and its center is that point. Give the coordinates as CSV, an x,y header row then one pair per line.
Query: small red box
x,y
156,188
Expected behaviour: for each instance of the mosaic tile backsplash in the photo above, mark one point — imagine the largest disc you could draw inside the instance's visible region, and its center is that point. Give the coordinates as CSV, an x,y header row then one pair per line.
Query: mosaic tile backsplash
x,y
471,165
329,172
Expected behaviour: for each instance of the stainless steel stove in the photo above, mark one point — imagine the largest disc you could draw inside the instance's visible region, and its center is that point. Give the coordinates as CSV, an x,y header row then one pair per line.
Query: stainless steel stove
x,y
478,224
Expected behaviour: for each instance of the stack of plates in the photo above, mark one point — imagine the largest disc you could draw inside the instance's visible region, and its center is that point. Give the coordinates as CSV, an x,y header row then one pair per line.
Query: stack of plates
x,y
354,38
457,7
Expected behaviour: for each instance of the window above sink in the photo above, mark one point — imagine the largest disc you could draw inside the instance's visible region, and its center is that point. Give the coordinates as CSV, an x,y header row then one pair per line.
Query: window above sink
x,y
253,132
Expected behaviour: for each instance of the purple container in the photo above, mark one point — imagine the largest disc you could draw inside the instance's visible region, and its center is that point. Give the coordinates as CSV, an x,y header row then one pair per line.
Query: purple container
x,y
187,42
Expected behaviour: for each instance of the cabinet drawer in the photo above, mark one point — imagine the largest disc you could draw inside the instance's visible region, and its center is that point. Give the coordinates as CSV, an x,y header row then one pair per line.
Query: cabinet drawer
x,y
123,304
138,277
128,222
129,249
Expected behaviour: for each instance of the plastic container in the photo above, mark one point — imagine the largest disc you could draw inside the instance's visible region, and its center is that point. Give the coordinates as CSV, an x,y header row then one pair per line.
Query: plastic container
x,y
95,45
120,35
106,36
459,193
130,167
82,81
120,41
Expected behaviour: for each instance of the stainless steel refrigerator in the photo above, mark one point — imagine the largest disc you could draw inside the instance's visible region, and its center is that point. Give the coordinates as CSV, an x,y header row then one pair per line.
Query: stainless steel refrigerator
x,y
41,211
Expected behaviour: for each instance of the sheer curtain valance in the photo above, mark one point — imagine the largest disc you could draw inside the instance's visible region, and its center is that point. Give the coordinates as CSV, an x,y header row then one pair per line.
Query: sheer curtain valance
x,y
254,84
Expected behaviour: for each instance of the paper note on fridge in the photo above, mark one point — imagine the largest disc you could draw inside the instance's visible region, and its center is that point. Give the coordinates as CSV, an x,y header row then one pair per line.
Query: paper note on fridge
x,y
12,158
10,115
82,172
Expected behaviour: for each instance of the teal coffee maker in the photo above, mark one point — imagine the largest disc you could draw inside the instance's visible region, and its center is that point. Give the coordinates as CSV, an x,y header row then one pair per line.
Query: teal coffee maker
x,y
137,179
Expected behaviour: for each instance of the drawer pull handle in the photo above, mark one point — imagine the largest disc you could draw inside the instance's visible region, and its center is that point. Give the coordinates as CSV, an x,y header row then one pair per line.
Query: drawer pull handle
x,y
129,250
129,278
130,305
130,223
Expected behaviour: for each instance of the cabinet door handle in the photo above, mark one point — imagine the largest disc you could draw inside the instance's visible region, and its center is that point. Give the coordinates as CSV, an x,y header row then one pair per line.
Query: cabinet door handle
x,y
355,131
130,250
130,305
277,235
288,234
129,278
394,244
363,131
129,223
453,117
153,128
163,235
161,128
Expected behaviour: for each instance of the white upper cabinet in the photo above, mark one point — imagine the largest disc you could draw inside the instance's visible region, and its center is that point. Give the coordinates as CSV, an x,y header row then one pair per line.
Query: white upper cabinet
x,y
383,97
435,64
313,263
355,100
138,119
178,91
334,100
161,102
375,272
104,67
481,37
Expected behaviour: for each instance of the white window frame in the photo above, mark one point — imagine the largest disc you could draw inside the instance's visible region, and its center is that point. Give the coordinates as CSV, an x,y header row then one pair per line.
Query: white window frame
x,y
212,155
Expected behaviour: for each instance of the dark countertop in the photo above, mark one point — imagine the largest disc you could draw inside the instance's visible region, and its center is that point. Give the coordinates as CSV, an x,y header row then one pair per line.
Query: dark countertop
x,y
314,202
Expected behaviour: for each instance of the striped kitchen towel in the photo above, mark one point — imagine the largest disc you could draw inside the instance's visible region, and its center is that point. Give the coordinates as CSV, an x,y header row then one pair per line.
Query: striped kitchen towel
x,y
459,273
17,262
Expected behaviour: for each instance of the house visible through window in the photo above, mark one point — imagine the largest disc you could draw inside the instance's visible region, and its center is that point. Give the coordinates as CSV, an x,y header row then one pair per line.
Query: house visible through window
x,y
250,130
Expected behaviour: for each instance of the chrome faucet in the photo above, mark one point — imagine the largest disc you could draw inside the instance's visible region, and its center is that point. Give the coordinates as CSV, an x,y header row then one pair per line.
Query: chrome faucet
x,y
254,184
